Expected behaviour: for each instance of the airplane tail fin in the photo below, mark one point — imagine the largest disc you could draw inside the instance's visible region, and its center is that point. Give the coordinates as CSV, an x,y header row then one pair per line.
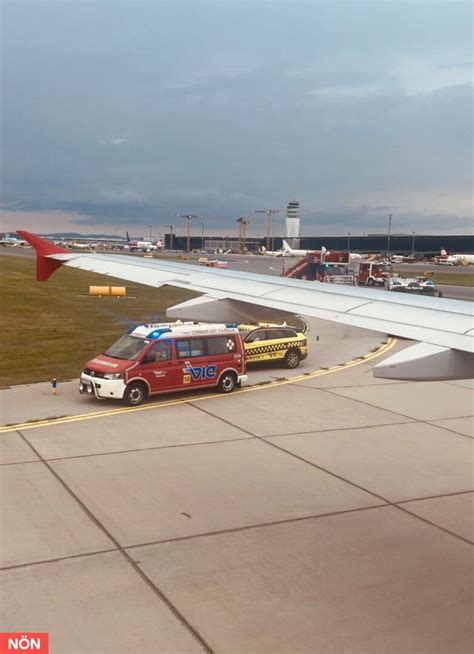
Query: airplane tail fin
x,y
45,266
128,237
443,252
285,246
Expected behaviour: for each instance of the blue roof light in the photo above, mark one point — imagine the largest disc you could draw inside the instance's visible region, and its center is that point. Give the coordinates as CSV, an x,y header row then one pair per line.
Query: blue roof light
x,y
156,333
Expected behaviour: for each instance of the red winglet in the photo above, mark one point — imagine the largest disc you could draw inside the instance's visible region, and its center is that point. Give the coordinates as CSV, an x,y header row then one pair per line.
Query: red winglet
x,y
44,266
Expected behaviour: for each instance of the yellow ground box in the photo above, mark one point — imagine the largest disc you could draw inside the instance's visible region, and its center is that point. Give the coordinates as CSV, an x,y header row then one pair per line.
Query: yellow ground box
x,y
114,291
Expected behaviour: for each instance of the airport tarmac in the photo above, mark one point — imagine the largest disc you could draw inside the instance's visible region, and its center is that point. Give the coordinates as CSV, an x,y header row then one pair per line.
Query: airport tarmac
x,y
330,512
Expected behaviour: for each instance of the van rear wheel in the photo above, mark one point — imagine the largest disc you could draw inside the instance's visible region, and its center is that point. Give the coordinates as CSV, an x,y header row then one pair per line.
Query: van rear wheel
x,y
134,394
227,382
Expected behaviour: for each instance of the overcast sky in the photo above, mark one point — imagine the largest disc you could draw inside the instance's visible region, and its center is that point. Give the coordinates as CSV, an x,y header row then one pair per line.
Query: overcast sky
x,y
121,114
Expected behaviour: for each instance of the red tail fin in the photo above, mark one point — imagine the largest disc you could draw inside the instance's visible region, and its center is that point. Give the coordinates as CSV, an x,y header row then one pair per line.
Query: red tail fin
x,y
44,266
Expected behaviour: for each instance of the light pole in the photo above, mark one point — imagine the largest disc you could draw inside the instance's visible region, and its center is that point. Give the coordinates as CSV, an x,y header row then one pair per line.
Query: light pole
x,y
189,217
388,235
348,241
202,234
150,231
269,223
413,234
273,232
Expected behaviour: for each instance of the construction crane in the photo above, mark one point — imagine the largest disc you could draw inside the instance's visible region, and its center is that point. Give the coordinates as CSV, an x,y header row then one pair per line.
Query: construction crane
x,y
171,227
189,217
269,224
241,234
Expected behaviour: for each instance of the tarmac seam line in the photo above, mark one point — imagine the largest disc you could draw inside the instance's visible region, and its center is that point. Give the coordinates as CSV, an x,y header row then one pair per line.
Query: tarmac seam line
x,y
153,587
397,413
352,483
436,497
325,431
56,560
260,525
138,449
230,530
18,463
384,499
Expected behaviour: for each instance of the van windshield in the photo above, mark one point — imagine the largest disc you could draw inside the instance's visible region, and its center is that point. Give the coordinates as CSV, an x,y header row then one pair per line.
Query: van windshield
x,y
127,347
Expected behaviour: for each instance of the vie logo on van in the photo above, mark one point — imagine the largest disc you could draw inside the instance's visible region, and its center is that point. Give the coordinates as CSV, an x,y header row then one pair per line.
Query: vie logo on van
x,y
200,372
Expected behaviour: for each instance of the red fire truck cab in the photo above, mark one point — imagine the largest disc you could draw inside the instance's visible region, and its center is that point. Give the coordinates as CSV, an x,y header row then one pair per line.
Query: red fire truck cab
x,y
372,273
166,357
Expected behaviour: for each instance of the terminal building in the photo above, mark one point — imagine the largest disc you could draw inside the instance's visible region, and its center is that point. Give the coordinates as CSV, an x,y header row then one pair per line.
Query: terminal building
x,y
424,245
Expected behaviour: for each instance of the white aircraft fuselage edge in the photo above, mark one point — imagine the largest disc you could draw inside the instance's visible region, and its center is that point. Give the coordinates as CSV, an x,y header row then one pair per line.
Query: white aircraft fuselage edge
x,y
455,258
444,327
291,252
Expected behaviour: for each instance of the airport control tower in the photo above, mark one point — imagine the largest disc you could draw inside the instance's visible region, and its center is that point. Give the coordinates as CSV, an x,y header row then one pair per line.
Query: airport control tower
x,y
293,220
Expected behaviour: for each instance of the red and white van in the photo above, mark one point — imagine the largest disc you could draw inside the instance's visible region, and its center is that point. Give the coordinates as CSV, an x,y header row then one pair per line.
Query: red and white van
x,y
166,357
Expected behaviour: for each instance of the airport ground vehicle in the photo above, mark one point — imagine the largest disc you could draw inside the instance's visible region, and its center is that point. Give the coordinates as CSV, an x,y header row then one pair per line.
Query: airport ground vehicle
x,y
166,357
336,268
418,285
271,342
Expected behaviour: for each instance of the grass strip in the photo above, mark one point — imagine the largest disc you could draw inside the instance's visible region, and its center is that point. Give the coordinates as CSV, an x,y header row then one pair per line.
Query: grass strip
x,y
50,329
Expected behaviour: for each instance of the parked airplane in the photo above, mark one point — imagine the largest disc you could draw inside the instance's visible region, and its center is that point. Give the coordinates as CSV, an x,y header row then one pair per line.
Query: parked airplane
x,y
291,252
11,241
273,253
454,259
444,326
79,245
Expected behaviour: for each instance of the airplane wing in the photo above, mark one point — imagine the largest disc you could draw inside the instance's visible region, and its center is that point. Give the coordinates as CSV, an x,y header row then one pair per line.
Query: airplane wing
x,y
444,327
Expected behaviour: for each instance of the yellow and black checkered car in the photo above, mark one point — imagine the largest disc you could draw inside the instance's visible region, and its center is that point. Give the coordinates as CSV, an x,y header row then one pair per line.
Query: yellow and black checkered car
x,y
270,342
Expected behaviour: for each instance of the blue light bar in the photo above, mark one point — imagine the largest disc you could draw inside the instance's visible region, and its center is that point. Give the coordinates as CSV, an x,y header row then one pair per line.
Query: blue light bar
x,y
156,333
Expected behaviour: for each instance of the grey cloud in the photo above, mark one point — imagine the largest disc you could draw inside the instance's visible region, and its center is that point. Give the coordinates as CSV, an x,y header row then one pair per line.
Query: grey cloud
x,y
127,114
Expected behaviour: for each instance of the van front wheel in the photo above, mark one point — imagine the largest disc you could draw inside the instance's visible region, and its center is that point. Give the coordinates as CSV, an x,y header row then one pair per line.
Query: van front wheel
x,y
134,394
227,382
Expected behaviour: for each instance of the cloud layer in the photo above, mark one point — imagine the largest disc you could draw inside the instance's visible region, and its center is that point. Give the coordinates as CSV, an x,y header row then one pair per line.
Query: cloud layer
x,y
127,113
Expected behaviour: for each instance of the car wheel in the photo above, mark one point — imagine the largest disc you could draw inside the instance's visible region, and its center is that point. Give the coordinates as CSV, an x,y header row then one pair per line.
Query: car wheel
x,y
134,394
227,382
292,359
370,282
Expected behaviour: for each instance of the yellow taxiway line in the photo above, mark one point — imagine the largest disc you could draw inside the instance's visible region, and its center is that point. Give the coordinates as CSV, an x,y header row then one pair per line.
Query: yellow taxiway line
x,y
199,398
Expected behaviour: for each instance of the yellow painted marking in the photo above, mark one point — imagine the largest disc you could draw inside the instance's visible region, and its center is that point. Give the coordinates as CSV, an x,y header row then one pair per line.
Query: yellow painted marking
x,y
249,389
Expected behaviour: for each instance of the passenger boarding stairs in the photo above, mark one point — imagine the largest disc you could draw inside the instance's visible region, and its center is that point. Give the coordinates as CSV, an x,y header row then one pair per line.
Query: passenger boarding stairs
x,y
330,270
300,268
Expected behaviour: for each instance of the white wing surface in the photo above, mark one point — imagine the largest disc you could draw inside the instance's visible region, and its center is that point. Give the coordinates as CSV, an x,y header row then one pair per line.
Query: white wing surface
x,y
443,324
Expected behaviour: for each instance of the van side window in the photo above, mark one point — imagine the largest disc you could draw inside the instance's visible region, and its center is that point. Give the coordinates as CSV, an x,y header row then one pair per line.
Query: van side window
x,y
221,345
190,347
161,351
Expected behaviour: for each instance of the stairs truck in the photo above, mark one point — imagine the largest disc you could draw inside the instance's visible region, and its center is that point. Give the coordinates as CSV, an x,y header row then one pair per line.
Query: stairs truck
x,y
335,268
